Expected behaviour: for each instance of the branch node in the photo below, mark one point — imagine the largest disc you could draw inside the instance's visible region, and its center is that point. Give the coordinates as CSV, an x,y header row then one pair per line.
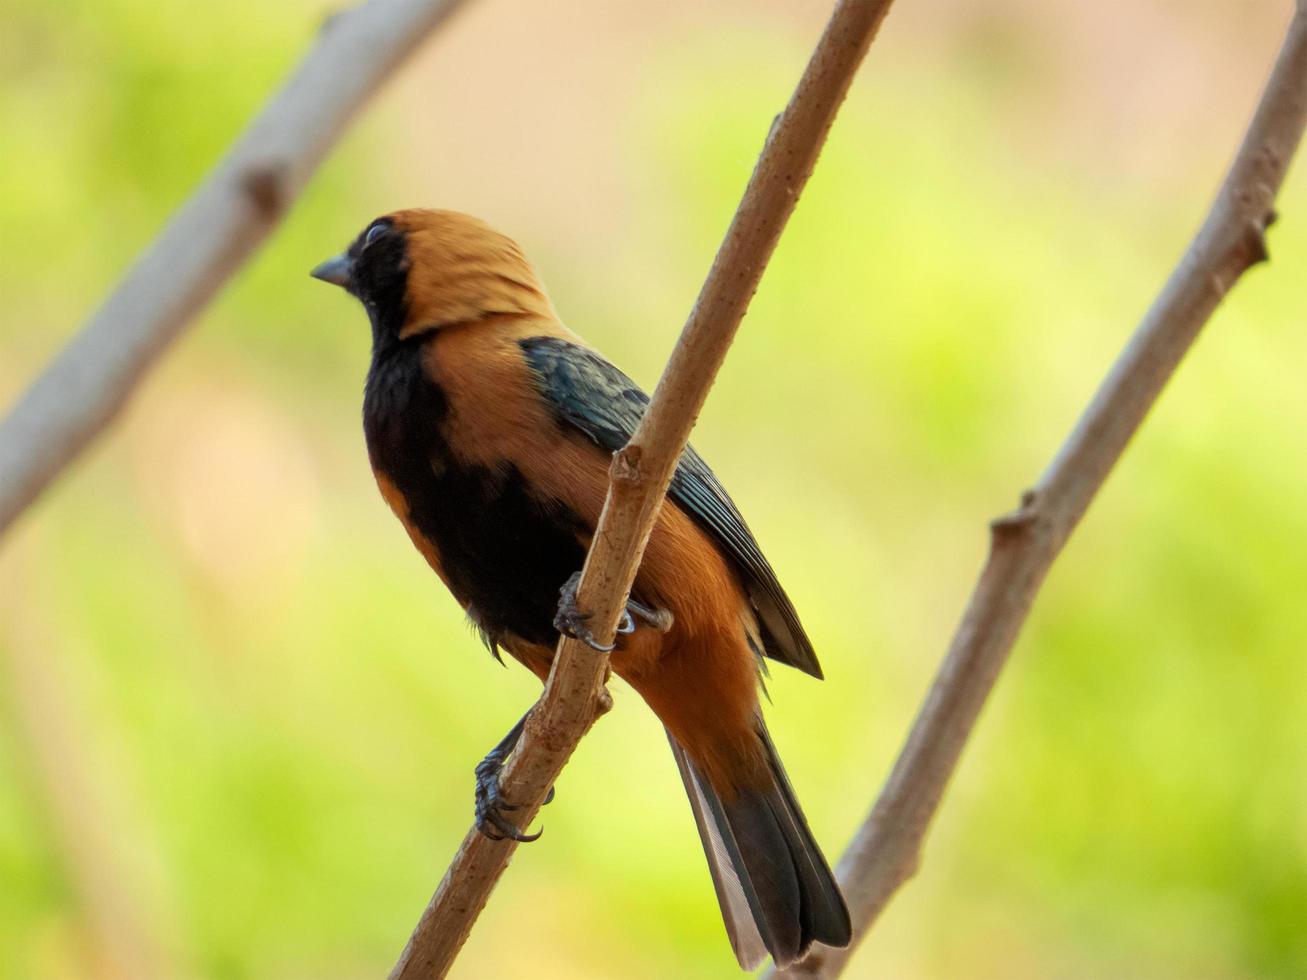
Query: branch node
x,y
1257,250
1255,238
265,185
1010,526
625,468
332,20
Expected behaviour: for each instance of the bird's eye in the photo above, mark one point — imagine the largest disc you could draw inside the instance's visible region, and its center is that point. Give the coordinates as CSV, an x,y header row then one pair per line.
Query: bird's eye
x,y
375,232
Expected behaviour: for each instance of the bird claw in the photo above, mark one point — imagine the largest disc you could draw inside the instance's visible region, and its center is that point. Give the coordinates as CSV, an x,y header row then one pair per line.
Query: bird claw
x,y
490,803
491,806
570,621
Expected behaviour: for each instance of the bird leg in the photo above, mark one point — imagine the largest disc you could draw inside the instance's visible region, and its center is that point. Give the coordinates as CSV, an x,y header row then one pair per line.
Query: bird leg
x,y
659,619
574,623
490,803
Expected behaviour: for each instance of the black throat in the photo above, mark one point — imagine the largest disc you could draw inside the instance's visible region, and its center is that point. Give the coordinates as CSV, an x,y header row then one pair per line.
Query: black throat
x,y
380,281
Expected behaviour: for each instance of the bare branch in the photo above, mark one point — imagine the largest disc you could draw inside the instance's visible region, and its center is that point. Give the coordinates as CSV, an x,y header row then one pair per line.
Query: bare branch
x,y
886,851
574,696
212,235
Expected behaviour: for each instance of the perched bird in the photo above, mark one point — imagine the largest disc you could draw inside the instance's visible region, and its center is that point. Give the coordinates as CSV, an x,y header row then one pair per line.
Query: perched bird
x,y
490,427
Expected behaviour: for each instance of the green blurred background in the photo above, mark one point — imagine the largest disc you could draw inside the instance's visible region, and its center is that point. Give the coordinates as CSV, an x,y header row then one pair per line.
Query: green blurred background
x,y
238,715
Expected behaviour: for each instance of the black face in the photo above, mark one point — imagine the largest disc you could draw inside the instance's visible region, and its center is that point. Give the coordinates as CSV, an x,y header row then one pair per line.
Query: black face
x,y
375,269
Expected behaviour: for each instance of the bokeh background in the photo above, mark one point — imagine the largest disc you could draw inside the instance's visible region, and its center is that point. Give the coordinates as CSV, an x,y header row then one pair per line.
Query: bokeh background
x,y
238,715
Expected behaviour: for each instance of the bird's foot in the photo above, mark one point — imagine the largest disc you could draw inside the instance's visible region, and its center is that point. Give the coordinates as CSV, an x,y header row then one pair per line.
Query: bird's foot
x,y
572,622
491,807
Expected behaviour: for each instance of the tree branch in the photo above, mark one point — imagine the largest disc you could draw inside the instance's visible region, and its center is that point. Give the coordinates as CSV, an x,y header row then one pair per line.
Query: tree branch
x,y
212,235
574,696
886,851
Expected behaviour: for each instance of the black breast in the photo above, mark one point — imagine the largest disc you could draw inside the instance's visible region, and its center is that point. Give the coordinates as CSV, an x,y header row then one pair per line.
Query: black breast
x,y
505,550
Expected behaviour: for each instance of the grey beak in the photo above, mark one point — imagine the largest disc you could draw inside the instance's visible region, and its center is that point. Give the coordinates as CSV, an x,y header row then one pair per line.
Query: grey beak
x,y
337,270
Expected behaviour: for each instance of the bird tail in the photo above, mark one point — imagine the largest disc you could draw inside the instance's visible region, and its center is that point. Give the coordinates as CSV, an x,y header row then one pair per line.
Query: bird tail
x,y
776,892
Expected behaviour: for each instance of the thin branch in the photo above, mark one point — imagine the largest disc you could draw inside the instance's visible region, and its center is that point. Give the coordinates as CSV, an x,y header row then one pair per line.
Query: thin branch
x,y
574,696
210,237
886,851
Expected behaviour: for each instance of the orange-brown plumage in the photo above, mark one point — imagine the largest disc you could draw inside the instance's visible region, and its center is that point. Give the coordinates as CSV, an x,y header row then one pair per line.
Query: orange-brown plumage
x,y
472,272
490,426
697,676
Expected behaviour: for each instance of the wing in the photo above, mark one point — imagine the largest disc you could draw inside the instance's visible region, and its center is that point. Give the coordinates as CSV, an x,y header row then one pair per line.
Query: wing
x,y
591,395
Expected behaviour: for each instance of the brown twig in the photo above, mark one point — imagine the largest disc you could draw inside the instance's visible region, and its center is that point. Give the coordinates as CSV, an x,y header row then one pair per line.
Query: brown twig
x,y
886,851
574,696
210,237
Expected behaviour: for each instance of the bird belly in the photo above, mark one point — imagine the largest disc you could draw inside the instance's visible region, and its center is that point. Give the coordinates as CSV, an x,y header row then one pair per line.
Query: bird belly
x,y
503,552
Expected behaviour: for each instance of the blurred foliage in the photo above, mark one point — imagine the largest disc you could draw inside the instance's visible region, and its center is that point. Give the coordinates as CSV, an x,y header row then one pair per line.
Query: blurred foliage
x,y
277,708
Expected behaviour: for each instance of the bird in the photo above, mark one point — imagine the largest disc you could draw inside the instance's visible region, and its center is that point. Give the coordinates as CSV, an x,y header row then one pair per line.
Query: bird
x,y
489,428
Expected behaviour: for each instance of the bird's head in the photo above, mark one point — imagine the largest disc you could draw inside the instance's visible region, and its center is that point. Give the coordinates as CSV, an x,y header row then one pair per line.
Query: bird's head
x,y
417,271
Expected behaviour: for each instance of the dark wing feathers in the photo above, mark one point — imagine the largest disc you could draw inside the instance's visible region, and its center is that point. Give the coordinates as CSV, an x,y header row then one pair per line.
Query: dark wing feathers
x,y
599,400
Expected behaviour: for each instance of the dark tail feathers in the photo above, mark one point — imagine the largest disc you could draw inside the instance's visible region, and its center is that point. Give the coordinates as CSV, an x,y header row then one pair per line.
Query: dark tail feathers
x,y
776,891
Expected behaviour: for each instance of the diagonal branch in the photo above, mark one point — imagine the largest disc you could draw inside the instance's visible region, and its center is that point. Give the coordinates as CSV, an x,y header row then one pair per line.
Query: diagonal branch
x,y
887,849
225,220
574,696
